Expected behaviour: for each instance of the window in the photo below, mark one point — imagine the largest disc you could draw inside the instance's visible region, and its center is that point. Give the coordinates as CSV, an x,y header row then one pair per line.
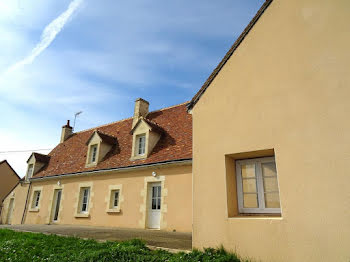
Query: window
x,y
84,200
141,145
156,197
36,199
30,171
93,153
114,199
257,186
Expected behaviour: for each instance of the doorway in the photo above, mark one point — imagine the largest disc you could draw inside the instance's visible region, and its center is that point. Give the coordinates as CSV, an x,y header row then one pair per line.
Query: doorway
x,y
154,205
56,205
10,211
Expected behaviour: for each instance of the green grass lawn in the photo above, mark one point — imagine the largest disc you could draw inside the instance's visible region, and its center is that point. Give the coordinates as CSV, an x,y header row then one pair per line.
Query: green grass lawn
x,y
19,246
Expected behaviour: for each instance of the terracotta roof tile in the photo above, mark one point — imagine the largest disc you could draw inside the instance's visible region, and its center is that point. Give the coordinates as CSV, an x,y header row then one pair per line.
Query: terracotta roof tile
x,y
175,144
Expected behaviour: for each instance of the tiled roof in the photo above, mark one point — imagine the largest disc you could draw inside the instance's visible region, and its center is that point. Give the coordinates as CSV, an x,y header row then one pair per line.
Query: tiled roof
x,y
174,144
239,40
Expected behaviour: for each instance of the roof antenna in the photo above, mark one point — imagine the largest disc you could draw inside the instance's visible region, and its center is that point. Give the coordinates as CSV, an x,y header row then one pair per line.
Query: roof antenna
x,y
75,117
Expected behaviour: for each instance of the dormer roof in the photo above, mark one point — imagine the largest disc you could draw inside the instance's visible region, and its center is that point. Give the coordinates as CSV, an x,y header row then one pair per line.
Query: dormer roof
x,y
105,138
152,125
40,157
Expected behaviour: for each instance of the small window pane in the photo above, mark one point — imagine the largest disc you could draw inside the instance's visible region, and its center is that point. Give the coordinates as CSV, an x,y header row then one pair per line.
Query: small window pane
x,y
159,191
249,185
272,200
116,198
248,171
154,203
154,191
158,203
269,169
270,184
250,200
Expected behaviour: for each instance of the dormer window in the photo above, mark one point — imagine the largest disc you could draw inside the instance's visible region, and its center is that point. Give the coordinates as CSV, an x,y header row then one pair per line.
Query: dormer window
x,y
99,145
141,144
30,171
93,154
36,163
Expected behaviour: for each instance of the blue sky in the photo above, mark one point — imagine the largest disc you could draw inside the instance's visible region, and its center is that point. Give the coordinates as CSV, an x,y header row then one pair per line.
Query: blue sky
x,y
99,56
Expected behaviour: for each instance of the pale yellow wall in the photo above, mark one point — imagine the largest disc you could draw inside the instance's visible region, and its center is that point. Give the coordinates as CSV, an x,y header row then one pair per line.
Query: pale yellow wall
x,y
285,88
177,202
19,194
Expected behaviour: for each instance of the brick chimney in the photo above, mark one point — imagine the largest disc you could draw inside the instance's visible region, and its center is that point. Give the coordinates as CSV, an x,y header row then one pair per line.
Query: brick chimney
x,y
67,131
141,110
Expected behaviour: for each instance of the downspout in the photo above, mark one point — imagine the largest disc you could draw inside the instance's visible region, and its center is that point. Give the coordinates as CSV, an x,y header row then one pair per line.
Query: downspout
x,y
26,204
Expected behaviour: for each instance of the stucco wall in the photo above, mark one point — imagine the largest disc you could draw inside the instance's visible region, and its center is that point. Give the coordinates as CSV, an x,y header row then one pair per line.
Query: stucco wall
x,y
285,88
176,209
19,195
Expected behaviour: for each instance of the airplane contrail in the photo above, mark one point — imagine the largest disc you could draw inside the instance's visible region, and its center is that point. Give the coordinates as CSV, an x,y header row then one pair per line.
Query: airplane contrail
x,y
48,35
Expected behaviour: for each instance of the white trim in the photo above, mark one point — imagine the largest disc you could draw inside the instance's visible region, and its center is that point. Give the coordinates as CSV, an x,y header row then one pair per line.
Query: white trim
x,y
260,186
110,200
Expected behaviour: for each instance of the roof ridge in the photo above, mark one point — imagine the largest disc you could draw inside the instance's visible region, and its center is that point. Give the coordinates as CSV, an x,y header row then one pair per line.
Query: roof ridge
x,y
125,119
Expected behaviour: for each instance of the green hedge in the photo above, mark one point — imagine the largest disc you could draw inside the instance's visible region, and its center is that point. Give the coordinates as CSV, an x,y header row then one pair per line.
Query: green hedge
x,y
18,246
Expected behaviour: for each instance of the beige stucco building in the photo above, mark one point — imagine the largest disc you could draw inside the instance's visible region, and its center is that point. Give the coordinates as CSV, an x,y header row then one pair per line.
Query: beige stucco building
x,y
134,173
271,149
8,180
271,138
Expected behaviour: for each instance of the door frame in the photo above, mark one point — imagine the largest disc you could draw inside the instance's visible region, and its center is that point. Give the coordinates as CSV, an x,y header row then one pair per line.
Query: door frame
x,y
55,197
10,208
143,222
150,186
53,202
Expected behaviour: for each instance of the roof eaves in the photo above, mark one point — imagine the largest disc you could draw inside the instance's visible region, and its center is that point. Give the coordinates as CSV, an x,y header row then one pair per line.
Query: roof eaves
x,y
239,40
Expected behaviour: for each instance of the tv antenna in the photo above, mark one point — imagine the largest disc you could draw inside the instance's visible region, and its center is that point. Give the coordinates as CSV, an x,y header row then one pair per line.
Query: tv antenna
x,y
75,117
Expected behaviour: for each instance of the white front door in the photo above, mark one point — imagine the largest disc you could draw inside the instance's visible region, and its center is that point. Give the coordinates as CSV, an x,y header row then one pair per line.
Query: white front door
x,y
56,204
154,205
9,212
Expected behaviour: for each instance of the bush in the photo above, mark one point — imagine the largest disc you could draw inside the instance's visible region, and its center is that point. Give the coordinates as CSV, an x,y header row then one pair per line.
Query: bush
x,y
19,246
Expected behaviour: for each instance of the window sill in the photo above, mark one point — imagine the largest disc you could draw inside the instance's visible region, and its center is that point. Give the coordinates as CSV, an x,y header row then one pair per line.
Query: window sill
x,y
138,157
257,216
113,210
82,215
34,210
91,165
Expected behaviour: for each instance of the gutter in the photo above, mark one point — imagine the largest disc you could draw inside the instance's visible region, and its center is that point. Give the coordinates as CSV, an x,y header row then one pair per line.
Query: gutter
x,y
117,169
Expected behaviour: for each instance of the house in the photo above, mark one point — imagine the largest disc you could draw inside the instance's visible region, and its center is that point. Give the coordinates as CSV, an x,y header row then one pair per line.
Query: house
x,y
271,138
8,180
134,173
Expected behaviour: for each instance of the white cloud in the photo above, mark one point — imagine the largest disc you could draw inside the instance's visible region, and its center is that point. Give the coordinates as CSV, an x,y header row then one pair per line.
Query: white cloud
x,y
49,34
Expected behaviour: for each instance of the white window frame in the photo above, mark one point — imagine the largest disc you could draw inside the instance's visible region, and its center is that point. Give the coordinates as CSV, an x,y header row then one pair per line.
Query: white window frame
x,y
93,153
31,169
260,186
114,198
81,211
36,199
139,143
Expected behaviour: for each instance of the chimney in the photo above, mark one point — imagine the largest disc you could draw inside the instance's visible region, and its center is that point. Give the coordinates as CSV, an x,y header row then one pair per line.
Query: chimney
x,y
141,110
67,131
